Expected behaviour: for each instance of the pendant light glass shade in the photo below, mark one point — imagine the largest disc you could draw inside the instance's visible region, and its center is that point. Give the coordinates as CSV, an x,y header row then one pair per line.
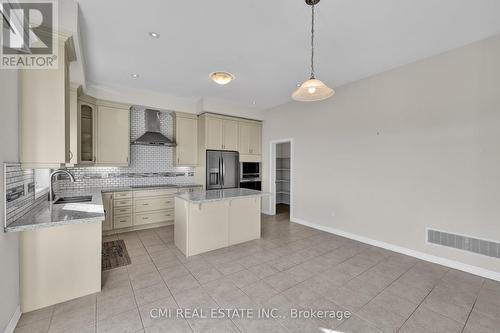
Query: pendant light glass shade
x,y
312,90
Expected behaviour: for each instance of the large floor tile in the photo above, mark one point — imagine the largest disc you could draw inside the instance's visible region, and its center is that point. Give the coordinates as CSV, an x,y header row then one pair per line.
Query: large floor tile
x,y
151,294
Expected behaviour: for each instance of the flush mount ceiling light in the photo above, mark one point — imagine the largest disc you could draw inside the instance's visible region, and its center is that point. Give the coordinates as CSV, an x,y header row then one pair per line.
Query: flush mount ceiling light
x,y
313,89
154,34
221,78
134,76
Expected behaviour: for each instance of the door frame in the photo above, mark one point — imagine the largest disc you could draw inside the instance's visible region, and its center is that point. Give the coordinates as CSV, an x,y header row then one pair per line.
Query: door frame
x,y
272,174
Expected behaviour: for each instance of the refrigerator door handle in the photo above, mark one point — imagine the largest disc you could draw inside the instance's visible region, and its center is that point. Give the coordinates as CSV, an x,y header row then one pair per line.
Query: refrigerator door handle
x,y
223,169
219,181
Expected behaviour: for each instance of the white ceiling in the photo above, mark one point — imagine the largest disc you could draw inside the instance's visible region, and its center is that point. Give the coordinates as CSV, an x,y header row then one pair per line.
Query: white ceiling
x,y
265,44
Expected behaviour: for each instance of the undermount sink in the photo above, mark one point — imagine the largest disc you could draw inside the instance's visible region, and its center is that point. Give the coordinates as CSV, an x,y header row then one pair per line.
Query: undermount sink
x,y
83,198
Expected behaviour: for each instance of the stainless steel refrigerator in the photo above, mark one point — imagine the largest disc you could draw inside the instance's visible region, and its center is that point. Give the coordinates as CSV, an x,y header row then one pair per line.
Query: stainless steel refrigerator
x,y
222,169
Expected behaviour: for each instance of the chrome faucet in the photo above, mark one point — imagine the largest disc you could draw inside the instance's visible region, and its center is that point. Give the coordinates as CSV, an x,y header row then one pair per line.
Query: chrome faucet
x,y
52,196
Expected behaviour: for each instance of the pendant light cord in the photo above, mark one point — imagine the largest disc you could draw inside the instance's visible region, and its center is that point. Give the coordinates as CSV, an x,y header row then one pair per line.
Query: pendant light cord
x,y
312,41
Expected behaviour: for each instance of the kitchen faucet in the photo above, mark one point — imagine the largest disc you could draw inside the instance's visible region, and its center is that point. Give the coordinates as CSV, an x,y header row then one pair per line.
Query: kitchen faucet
x,y
56,172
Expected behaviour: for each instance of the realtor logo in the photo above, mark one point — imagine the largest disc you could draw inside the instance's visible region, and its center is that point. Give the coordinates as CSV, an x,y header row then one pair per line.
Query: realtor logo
x,y
28,38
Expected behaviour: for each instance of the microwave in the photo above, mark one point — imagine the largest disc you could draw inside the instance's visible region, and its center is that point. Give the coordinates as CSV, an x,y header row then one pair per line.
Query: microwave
x,y
250,170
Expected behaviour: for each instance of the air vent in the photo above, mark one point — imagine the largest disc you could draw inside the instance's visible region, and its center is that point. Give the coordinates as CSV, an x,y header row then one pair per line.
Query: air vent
x,y
465,243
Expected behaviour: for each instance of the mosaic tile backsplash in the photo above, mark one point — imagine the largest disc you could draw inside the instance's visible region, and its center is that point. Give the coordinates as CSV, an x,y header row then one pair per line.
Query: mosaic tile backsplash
x,y
149,165
19,192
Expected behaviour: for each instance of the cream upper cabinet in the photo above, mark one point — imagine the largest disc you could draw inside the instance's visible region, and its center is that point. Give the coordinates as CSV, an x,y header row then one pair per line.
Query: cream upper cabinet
x,y
87,128
221,134
214,133
44,112
249,138
245,130
230,135
74,92
113,135
256,139
186,137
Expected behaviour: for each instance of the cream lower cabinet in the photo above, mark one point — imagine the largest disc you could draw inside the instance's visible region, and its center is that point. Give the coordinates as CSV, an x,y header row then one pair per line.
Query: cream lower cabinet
x,y
122,210
107,201
131,210
153,206
186,137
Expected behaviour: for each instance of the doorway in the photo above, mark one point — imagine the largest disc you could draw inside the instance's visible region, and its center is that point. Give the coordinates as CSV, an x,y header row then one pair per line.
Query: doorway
x,y
281,177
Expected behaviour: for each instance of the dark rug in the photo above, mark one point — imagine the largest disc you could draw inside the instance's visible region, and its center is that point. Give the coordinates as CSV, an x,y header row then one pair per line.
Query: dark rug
x,y
114,254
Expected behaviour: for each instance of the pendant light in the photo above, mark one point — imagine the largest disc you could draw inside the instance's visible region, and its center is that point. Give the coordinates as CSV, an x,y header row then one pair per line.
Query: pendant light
x,y
313,89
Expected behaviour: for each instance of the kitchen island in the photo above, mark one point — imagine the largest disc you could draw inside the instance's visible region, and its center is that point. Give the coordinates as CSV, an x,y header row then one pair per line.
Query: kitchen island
x,y
210,220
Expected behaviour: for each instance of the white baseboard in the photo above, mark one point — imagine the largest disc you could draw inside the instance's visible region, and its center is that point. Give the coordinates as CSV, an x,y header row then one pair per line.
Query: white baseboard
x,y
403,250
267,212
11,326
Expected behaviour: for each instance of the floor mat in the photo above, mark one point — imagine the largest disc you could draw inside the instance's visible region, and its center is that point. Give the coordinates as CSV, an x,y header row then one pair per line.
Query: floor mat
x,y
114,254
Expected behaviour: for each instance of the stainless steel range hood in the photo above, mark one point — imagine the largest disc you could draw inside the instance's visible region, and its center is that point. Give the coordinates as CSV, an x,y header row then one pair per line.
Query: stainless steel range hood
x,y
153,137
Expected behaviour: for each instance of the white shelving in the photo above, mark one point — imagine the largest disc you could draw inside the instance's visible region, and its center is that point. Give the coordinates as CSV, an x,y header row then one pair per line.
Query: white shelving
x,y
283,173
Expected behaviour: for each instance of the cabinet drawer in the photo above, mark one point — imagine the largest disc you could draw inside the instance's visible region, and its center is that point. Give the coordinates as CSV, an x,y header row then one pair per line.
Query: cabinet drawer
x,y
155,192
122,203
123,210
123,195
122,221
154,217
152,204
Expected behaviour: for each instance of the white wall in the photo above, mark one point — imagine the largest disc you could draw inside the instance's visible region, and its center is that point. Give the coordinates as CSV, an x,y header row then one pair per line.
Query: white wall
x,y
390,155
9,260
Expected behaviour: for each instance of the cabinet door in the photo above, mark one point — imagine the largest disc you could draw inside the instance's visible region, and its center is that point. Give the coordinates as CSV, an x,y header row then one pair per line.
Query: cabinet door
x,y
186,137
86,132
107,201
214,134
255,139
113,136
244,138
230,140
244,220
44,138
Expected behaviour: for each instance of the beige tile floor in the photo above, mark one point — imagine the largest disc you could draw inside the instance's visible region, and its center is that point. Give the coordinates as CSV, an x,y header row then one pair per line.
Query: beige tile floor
x,y
292,266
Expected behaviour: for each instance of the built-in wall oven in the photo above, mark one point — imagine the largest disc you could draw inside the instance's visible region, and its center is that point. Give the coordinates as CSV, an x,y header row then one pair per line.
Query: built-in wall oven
x,y
250,175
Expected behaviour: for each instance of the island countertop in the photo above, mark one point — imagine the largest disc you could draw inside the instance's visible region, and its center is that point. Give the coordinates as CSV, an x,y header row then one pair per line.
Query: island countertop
x,y
219,195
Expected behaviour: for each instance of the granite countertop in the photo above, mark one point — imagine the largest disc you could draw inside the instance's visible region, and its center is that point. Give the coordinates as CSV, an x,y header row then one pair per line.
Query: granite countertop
x,y
147,187
47,214
219,195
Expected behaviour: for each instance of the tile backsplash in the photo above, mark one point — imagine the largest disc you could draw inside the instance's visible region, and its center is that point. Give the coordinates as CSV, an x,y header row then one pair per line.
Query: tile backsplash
x,y
19,192
149,165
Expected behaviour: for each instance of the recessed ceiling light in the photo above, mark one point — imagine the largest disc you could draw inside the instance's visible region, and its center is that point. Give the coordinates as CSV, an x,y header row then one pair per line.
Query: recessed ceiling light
x,y
221,77
154,34
134,76
254,102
